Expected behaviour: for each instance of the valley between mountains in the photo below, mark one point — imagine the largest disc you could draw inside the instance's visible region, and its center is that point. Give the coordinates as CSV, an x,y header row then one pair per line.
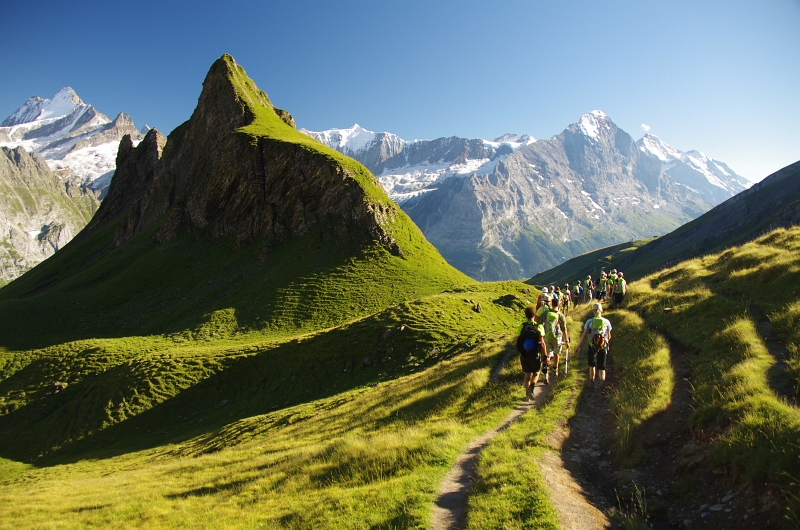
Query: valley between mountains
x,y
249,331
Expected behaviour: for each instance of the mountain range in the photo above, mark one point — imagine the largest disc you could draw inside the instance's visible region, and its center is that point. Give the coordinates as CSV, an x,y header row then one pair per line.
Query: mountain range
x,y
58,158
514,206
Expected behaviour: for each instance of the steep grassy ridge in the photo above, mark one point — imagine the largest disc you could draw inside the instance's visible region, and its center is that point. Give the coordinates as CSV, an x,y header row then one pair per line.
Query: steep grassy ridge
x,y
716,305
298,433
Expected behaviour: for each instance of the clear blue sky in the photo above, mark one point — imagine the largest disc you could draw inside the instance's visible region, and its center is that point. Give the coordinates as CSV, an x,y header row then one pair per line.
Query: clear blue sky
x,y
722,77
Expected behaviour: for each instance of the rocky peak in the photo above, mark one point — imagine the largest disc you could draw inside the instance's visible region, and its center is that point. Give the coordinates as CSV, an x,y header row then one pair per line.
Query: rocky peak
x,y
122,120
136,168
595,124
237,171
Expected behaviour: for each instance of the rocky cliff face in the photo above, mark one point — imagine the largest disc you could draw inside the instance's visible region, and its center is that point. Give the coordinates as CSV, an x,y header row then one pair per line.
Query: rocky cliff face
x,y
37,215
513,206
588,187
216,179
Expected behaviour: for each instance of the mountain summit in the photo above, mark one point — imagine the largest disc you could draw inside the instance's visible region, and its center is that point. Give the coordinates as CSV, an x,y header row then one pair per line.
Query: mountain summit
x,y
236,212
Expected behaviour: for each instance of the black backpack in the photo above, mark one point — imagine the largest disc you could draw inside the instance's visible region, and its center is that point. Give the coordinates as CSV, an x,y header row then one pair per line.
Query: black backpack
x,y
528,340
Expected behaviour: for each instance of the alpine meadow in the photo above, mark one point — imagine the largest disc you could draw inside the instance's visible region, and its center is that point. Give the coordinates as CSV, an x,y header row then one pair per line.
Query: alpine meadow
x,y
250,333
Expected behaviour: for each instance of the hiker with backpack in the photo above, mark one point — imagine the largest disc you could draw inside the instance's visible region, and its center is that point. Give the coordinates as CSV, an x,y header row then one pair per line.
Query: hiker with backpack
x,y
587,290
555,334
567,298
532,351
620,289
578,293
602,285
612,282
598,329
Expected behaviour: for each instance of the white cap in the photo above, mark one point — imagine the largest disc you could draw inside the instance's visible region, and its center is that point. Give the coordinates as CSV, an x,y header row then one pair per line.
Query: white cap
x,y
596,306
544,290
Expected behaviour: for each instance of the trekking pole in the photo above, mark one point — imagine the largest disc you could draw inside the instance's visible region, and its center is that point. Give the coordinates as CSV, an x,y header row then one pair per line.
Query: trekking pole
x,y
566,362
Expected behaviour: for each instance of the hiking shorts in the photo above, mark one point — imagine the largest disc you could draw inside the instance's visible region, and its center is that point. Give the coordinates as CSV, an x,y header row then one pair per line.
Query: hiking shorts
x,y
618,298
530,365
554,347
597,358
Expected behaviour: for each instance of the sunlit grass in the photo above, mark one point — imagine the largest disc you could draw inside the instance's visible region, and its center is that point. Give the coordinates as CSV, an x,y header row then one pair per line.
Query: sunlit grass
x,y
714,303
366,457
643,373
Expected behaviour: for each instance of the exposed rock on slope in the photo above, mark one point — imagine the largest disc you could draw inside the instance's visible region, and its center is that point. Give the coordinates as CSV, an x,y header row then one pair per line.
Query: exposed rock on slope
x,y
235,213
587,187
210,179
513,206
38,216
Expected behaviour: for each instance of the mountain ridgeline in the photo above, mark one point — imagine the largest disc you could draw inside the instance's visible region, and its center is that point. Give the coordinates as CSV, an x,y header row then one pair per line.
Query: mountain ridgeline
x,y
236,212
514,206
768,205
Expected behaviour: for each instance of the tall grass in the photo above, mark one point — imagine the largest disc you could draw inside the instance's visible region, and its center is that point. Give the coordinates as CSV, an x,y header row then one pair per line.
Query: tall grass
x,y
643,372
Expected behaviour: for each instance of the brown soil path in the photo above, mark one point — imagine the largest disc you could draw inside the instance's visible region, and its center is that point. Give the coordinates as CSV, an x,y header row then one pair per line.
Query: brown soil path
x,y
450,507
670,465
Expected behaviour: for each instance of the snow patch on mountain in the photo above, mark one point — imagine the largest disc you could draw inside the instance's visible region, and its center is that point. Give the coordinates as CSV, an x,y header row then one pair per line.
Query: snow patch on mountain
x,y
592,123
405,180
78,143
694,169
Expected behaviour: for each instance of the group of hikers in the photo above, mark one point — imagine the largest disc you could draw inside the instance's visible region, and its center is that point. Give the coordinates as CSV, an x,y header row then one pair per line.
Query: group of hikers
x,y
543,337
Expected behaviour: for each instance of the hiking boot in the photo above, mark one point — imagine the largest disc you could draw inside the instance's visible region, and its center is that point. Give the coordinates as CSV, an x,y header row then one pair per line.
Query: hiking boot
x,y
547,378
529,392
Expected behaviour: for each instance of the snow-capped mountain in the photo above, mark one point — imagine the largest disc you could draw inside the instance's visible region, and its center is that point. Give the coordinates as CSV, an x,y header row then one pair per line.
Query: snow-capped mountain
x,y
78,142
712,179
408,169
514,206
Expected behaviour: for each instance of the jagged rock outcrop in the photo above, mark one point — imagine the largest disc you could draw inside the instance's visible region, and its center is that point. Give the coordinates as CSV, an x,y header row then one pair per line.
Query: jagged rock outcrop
x,y
37,215
214,179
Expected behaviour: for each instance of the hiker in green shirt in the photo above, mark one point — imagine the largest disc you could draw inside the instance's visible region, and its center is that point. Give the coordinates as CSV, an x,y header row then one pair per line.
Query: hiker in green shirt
x,y
620,288
555,335
532,351
599,331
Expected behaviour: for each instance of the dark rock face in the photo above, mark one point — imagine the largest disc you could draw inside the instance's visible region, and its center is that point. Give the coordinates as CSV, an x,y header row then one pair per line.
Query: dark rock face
x,y
209,179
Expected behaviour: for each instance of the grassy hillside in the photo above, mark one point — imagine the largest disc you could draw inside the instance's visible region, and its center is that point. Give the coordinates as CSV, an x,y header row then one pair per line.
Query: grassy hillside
x,y
350,427
735,315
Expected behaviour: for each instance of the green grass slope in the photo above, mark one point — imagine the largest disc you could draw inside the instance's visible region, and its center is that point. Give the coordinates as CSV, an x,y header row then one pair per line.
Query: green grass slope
x,y
769,204
736,315
349,427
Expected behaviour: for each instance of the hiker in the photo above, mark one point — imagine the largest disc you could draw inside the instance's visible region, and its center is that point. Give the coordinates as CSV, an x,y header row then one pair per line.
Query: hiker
x,y
578,292
555,335
532,351
539,300
567,298
602,285
598,329
587,290
620,289
612,281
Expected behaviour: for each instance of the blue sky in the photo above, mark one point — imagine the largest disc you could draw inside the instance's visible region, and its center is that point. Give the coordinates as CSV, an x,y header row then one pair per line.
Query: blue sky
x,y
720,77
